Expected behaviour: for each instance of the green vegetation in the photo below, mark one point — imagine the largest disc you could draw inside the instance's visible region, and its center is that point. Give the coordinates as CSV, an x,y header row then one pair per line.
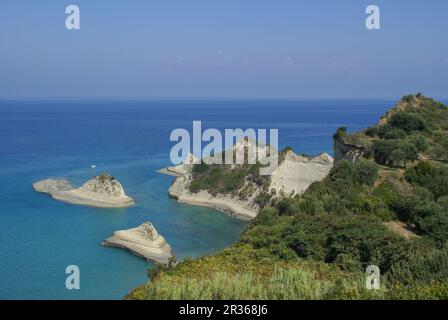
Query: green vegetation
x,y
418,126
239,180
242,272
221,178
317,245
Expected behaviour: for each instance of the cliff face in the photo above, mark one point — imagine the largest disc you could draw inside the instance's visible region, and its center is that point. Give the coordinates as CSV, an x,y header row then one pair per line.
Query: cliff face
x,y
343,150
237,205
293,176
296,173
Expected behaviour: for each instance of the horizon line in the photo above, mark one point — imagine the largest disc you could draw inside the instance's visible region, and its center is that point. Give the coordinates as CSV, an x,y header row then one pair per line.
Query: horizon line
x,y
90,98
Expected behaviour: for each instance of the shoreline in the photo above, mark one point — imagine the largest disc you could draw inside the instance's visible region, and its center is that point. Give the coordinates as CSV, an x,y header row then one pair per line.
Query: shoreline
x,y
223,203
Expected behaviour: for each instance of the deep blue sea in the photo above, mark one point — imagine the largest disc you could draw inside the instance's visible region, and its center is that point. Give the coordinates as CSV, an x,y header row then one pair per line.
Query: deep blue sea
x,y
39,236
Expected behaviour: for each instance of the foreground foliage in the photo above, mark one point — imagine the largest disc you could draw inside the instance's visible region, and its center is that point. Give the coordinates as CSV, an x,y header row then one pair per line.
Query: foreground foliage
x,y
317,245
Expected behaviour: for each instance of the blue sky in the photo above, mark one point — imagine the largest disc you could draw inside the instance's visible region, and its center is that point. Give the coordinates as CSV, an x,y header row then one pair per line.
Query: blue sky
x,y
223,49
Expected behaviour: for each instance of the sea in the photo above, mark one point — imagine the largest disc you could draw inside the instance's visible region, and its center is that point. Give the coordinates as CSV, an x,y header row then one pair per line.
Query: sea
x,y
130,139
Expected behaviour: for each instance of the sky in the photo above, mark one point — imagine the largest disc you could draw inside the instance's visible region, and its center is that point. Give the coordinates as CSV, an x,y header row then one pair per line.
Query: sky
x,y
264,49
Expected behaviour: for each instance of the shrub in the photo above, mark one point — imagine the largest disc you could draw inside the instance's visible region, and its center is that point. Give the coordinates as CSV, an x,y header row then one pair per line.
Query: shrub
x,y
435,226
435,179
408,98
398,157
263,199
420,143
386,193
419,173
382,150
423,265
341,132
409,150
371,131
365,172
408,121
405,208
443,203
391,133
365,240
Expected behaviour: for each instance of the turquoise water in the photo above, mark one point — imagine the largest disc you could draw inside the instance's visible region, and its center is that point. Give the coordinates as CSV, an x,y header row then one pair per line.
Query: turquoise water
x,y
130,140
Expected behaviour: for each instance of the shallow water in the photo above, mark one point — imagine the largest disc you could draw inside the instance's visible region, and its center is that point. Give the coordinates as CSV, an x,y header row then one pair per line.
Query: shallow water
x,y
130,140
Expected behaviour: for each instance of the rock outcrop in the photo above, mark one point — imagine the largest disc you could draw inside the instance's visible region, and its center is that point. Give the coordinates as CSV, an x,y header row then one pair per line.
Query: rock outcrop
x,y
296,173
343,150
293,176
242,209
102,191
143,241
182,169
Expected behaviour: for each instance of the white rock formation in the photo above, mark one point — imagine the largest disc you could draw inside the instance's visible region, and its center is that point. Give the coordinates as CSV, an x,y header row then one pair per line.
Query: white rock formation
x,y
143,241
102,191
296,173
250,148
241,209
293,176
181,169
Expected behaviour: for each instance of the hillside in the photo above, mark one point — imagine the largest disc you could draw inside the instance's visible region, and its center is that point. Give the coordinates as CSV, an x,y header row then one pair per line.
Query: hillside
x,y
316,245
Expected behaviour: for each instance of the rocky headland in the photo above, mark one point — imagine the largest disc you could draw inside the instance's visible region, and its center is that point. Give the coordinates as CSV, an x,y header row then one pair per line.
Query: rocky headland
x,y
143,241
102,191
293,176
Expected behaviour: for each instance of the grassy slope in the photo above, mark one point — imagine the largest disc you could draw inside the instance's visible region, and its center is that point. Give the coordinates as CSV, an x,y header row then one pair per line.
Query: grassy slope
x,y
316,246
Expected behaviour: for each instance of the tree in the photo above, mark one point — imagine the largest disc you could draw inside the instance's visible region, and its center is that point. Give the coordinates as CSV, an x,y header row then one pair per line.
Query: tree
x,y
398,156
408,121
382,150
391,133
341,132
420,143
435,226
410,150
365,172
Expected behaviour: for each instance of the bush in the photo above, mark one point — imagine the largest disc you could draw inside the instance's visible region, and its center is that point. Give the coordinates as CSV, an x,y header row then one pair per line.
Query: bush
x,y
435,179
443,203
420,143
382,149
423,265
435,226
394,152
408,121
386,193
398,157
419,173
365,172
371,131
390,133
409,150
341,132
365,240
405,208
